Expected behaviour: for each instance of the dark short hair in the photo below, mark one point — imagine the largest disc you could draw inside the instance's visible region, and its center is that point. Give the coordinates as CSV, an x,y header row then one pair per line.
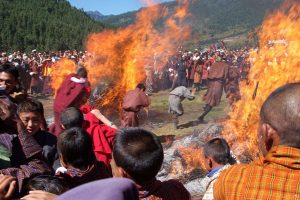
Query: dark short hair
x,y
71,117
9,69
76,147
141,86
139,153
281,111
47,183
31,105
218,149
82,72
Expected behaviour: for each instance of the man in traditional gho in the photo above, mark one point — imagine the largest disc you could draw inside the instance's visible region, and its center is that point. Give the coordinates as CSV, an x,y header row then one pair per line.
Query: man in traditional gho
x,y
176,96
198,69
133,102
35,76
217,77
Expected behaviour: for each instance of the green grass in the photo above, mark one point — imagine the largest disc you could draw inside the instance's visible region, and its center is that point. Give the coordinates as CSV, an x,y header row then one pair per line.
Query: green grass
x,y
160,121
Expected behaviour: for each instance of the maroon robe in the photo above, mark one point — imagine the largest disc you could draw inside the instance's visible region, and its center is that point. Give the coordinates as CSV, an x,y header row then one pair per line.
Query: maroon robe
x,y
133,101
197,73
102,136
217,76
67,94
35,81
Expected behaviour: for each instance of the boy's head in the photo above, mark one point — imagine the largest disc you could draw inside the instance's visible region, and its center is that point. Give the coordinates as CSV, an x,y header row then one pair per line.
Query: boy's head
x,y
47,183
71,117
138,154
31,114
75,149
82,72
217,153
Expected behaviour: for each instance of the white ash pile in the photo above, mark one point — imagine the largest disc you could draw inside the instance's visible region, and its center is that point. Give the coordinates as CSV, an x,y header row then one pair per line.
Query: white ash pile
x,y
183,158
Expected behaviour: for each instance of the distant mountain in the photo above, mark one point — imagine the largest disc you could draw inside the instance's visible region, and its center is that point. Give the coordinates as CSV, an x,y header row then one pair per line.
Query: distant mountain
x,y
96,15
45,25
214,20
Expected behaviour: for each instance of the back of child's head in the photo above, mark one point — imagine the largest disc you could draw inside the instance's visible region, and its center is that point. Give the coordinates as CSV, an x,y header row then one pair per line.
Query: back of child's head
x,y
139,153
82,72
47,183
141,86
75,147
218,150
71,117
31,105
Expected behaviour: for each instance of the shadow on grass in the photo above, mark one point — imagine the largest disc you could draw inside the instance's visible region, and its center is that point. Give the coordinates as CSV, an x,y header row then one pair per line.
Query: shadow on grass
x,y
191,124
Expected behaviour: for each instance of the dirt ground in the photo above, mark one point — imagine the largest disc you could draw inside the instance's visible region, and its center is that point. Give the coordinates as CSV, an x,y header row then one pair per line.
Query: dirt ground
x,y
159,120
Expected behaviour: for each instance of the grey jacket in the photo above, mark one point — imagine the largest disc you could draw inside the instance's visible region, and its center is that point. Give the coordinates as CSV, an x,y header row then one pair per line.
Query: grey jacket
x,y
176,96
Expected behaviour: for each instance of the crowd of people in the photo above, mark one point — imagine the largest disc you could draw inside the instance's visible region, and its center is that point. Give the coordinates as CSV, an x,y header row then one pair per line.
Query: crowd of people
x,y
35,68
83,152
187,68
190,68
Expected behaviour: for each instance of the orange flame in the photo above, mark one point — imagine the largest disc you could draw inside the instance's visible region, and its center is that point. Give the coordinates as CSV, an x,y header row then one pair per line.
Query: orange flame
x,y
60,70
193,158
276,63
119,57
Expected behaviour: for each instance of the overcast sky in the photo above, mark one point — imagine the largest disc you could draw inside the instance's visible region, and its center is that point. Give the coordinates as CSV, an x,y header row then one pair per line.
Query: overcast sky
x,y
108,7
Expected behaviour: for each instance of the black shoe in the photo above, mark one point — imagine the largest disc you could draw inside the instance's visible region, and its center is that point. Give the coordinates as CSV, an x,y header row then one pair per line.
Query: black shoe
x,y
201,120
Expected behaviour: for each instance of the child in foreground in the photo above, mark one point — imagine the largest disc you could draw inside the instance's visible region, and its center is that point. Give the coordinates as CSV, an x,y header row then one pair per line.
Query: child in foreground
x,y
217,159
138,155
79,164
31,113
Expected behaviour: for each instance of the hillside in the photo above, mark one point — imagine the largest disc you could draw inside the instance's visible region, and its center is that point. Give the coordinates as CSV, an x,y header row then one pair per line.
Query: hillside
x,y
44,25
213,20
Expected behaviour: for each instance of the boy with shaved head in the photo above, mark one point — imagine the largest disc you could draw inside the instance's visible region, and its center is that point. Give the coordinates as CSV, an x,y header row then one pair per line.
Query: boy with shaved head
x,y
277,174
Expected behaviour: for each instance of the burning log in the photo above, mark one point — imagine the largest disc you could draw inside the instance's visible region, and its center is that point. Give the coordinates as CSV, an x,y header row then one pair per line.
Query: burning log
x,y
255,91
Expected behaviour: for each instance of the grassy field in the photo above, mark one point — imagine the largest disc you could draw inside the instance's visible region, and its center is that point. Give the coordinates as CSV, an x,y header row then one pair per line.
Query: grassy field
x,y
159,120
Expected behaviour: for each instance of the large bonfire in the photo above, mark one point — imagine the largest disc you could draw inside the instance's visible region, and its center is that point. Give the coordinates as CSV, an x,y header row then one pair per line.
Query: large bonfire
x,y
275,63
118,57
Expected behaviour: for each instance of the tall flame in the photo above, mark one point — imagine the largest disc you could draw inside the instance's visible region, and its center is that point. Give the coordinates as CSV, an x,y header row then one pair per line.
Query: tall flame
x,y
276,63
60,70
119,57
